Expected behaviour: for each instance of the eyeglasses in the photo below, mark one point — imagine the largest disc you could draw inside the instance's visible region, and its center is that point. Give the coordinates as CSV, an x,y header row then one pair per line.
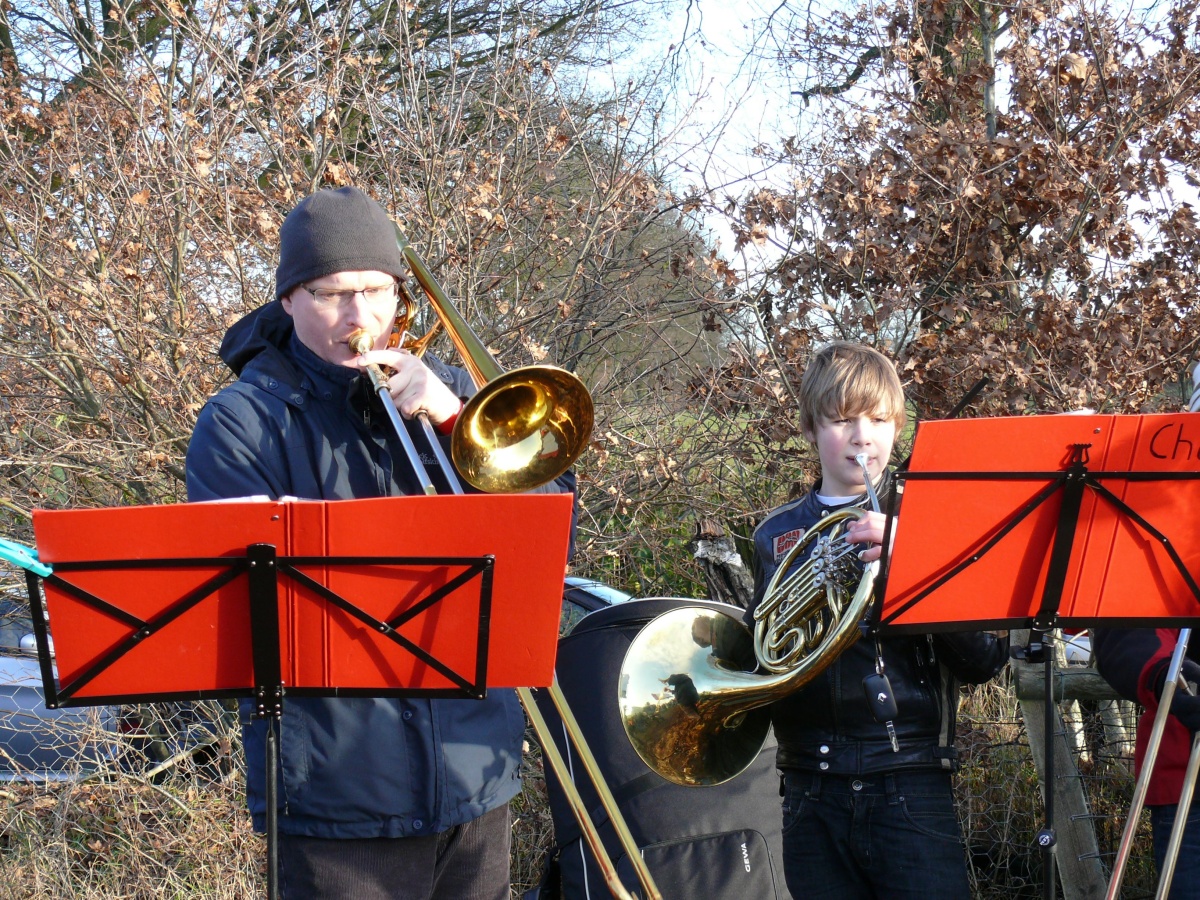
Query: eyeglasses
x,y
383,293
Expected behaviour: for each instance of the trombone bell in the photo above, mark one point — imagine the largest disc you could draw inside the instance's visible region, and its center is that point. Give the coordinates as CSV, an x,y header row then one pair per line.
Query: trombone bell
x,y
522,429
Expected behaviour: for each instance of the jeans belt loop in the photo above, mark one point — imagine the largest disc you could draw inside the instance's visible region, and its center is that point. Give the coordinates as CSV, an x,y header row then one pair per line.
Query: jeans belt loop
x,y
889,785
814,791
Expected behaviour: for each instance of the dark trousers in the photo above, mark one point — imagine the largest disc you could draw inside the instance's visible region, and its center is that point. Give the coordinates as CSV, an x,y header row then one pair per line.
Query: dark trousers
x,y
469,862
1185,884
890,836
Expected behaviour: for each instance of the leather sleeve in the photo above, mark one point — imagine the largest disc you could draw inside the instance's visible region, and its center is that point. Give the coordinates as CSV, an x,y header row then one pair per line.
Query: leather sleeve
x,y
973,656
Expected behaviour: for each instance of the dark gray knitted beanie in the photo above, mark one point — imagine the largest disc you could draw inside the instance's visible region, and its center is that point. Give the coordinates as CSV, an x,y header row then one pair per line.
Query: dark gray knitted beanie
x,y
340,230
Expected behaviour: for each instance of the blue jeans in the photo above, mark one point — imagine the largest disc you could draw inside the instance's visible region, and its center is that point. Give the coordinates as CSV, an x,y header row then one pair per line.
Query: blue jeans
x,y
1185,884
892,835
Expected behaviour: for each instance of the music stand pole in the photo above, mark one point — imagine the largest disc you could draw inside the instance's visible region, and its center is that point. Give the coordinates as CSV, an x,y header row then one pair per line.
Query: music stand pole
x,y
268,688
1040,648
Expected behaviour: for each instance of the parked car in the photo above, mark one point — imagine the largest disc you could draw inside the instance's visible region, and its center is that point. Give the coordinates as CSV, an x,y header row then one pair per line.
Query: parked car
x,y
584,595
1078,646
40,744
36,743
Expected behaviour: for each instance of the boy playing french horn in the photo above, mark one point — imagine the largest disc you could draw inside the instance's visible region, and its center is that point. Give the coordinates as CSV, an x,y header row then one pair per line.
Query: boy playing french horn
x,y
867,805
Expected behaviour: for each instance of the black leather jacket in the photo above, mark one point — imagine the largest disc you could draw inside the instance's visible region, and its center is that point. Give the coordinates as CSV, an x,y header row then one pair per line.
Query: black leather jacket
x,y
828,726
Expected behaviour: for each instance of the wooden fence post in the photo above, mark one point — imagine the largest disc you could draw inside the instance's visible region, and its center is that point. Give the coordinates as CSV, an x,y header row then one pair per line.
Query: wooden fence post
x,y
1077,854
728,579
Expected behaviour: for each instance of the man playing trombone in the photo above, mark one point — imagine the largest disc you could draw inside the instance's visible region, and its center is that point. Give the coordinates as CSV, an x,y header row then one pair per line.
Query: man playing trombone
x,y
378,797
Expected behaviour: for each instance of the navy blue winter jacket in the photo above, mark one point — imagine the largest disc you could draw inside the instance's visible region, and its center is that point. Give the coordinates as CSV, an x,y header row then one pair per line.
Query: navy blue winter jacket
x,y
827,726
296,425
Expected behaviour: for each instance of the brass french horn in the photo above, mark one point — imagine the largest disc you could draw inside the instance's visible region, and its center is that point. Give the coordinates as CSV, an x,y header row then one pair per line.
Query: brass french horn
x,y
690,708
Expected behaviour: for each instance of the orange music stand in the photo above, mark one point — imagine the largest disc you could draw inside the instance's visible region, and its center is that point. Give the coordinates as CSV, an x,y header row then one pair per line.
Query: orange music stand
x,y
402,595
425,596
987,503
1040,522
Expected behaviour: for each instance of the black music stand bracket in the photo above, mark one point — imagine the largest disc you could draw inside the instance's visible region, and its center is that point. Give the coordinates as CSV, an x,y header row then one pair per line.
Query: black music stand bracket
x,y
268,566
1040,645
1071,482
263,568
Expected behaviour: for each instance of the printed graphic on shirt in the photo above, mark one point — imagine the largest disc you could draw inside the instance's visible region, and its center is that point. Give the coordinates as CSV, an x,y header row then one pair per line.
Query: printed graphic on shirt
x,y
786,541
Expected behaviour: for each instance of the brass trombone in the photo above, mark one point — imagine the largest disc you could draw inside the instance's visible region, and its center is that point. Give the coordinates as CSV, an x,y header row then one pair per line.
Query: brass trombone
x,y
521,430
525,427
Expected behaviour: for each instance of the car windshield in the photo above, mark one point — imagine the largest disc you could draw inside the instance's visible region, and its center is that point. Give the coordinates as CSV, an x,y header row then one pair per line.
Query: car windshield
x,y
607,593
15,623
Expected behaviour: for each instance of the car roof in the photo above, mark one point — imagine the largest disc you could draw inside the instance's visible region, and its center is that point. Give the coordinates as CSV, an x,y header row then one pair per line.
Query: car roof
x,y
15,623
19,669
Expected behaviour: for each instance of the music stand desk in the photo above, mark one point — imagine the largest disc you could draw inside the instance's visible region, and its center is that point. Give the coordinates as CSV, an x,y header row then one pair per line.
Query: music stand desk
x,y
1041,522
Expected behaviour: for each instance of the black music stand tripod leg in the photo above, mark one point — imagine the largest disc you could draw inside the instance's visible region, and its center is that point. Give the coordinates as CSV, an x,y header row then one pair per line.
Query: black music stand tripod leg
x,y
272,807
1041,649
268,690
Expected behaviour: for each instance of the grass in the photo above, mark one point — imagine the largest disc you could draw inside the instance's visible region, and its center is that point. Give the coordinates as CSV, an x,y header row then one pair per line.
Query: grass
x,y
126,838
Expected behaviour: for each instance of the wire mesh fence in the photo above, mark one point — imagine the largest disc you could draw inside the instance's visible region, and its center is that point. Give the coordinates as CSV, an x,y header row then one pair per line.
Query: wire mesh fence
x,y
1000,799
143,802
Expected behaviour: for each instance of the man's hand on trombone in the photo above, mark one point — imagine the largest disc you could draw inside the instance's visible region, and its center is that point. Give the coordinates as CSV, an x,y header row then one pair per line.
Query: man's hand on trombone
x,y
414,388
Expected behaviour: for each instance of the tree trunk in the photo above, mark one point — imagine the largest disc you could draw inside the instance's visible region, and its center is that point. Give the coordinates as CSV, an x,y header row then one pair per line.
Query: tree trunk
x,y
728,579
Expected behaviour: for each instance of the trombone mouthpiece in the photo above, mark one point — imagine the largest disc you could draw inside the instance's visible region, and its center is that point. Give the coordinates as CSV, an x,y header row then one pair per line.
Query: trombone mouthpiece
x,y
361,341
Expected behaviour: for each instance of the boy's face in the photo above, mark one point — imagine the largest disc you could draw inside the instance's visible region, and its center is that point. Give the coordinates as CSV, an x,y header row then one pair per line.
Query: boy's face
x,y
840,440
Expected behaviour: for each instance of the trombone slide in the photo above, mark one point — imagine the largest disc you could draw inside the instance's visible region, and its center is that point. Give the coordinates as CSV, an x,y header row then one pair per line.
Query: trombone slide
x,y
360,342
1142,785
572,426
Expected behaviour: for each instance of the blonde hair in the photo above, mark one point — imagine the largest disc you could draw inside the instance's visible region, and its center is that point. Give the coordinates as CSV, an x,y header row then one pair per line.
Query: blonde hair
x,y
846,379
